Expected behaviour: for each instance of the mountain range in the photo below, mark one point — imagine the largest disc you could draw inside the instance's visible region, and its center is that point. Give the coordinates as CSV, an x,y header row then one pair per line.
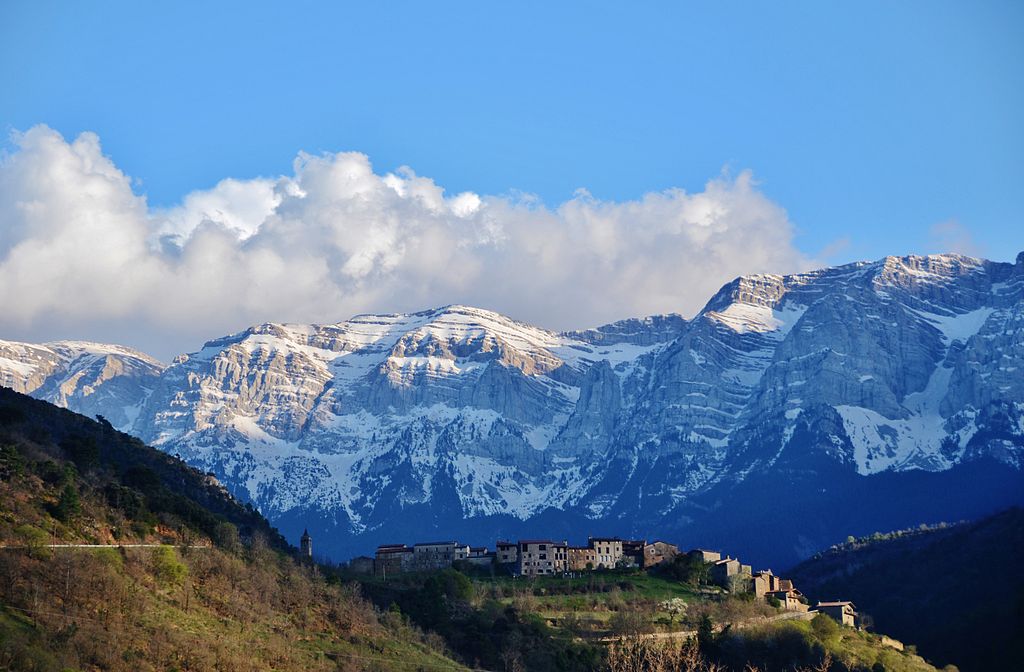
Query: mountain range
x,y
788,413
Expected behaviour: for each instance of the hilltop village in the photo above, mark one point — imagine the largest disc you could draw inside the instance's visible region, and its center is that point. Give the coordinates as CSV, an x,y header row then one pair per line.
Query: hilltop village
x,y
544,557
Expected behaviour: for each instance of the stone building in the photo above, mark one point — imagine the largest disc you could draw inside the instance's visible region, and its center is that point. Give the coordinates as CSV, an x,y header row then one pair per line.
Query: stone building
x,y
705,555
539,557
479,556
581,558
845,613
723,569
765,582
607,551
306,545
392,559
507,552
790,599
428,555
657,552
633,552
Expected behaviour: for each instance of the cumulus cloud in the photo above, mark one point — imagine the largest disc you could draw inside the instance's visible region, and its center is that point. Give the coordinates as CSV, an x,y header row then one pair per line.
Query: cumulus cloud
x,y
82,255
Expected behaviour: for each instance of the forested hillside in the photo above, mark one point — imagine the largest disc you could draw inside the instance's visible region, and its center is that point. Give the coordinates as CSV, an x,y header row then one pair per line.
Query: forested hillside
x,y
957,591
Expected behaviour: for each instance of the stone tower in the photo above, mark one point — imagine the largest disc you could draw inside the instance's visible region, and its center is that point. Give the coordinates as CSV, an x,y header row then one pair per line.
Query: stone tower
x,y
306,545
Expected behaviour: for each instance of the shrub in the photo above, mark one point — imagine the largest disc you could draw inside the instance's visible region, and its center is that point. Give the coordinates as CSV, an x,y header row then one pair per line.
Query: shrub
x,y
168,569
32,538
824,627
628,622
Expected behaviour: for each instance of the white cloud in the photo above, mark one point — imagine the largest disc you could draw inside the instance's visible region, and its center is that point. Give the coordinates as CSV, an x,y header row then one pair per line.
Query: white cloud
x,y
241,205
81,255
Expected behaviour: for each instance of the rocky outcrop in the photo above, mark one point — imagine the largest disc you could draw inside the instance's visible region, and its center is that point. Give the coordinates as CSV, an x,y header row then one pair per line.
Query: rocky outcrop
x,y
91,378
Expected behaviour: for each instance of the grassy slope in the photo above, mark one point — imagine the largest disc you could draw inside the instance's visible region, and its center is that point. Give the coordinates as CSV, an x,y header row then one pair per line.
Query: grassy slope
x,y
239,601
958,592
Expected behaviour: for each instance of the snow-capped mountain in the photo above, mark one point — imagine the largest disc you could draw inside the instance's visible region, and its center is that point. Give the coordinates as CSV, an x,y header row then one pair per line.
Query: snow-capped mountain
x,y
463,419
89,378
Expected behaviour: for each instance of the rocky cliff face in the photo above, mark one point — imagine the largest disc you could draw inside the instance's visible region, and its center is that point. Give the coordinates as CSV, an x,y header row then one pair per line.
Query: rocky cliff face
x,y
90,378
905,364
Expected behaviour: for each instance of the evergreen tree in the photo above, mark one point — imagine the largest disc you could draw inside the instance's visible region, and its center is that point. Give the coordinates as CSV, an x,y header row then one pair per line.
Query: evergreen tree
x,y
69,505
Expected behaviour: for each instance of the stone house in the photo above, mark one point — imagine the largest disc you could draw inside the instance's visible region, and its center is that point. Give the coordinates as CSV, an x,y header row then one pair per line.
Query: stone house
x,y
507,552
479,556
539,557
581,558
608,551
392,559
765,582
723,569
429,555
657,552
789,599
843,612
705,555
633,552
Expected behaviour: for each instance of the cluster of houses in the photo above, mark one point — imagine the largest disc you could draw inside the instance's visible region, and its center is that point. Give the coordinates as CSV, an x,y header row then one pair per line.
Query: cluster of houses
x,y
545,557
765,585
526,557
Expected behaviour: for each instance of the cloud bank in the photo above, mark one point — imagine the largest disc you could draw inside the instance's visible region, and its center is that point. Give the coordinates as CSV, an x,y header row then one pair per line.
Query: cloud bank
x,y
83,256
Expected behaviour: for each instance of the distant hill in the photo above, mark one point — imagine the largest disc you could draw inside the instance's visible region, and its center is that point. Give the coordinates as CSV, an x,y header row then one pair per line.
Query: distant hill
x,y
957,592
116,556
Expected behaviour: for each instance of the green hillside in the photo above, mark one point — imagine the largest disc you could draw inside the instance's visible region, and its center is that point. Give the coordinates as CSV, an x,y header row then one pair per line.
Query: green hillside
x,y
956,591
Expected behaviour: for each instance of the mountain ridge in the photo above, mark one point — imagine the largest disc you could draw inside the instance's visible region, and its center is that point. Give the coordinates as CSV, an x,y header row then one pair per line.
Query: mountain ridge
x,y
905,363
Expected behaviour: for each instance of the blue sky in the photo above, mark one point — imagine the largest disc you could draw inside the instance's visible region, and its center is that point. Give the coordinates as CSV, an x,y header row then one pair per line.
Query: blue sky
x,y
867,128
870,122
